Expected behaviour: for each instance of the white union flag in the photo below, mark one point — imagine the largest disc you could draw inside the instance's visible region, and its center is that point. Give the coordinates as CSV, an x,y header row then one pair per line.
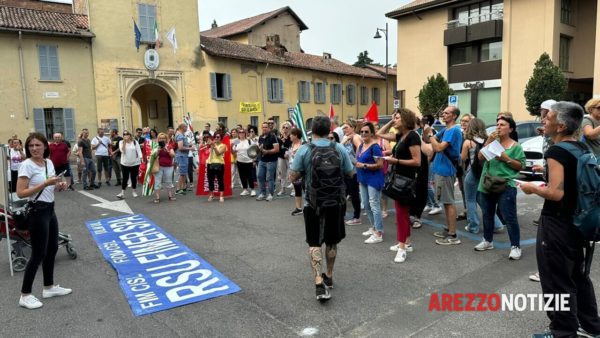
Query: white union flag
x,y
172,38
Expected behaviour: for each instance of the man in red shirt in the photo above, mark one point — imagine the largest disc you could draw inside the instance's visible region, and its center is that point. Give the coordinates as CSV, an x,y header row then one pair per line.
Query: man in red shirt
x,y
60,151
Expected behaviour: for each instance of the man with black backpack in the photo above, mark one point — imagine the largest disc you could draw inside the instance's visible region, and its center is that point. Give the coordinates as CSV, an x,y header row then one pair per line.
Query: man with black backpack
x,y
561,238
323,165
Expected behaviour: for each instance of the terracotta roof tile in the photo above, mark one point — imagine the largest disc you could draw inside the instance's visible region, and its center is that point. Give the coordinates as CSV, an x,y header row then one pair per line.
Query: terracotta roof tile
x,y
416,5
381,70
229,49
247,24
14,18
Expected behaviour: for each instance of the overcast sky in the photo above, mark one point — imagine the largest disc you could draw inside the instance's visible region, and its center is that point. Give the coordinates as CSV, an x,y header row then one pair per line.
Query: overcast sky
x,y
343,28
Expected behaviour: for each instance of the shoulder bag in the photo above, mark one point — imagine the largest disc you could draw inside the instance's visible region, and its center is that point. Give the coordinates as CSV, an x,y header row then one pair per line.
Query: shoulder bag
x,y
21,216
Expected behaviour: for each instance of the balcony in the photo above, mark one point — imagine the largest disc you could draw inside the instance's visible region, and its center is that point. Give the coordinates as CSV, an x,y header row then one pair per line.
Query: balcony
x,y
479,27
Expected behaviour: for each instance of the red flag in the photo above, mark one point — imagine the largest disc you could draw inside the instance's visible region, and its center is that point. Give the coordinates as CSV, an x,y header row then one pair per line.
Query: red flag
x,y
331,115
372,115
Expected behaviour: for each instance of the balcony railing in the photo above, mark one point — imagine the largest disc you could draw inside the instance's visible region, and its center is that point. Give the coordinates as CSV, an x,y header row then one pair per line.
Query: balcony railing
x,y
493,15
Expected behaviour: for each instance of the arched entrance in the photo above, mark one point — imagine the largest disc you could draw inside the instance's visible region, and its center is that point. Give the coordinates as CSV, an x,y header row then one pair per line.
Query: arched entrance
x,y
151,106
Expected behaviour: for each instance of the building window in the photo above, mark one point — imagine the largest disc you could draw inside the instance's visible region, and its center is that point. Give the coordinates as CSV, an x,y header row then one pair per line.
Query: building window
x,y
147,17
564,52
350,94
274,90
54,120
491,51
375,95
220,86
303,91
319,92
460,55
566,12
223,119
364,95
336,93
48,57
477,12
254,120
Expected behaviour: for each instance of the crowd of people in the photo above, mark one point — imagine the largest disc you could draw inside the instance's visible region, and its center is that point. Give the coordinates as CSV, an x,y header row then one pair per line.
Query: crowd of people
x,y
279,161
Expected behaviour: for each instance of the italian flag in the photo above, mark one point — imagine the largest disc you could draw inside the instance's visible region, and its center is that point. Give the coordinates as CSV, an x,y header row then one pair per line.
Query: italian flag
x,y
156,36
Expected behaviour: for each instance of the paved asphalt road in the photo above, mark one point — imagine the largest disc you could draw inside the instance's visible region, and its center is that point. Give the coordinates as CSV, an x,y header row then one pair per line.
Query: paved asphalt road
x,y
260,247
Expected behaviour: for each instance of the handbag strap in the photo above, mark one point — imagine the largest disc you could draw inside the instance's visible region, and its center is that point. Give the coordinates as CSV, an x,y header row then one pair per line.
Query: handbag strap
x,y
41,191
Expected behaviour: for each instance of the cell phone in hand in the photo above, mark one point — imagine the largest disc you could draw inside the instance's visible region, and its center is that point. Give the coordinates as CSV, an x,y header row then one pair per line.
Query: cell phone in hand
x,y
377,157
62,173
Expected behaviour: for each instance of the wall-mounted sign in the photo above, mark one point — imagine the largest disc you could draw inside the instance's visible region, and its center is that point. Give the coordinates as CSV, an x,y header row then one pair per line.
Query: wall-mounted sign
x,y
51,95
453,100
151,59
250,107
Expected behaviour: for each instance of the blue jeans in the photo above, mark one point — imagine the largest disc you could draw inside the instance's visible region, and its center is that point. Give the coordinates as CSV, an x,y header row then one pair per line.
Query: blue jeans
x,y
431,202
507,202
371,198
471,195
266,173
88,166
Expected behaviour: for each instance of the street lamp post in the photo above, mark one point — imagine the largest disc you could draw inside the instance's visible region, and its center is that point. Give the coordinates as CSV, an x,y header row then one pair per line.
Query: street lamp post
x,y
377,36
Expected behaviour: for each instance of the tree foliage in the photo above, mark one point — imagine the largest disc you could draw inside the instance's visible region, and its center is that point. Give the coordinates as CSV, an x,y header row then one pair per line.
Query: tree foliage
x,y
547,82
434,95
363,60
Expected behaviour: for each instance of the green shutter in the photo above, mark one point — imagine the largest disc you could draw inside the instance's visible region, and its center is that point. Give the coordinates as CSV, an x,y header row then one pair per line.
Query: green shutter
x,y
228,86
69,124
53,63
213,86
43,60
280,96
39,122
269,91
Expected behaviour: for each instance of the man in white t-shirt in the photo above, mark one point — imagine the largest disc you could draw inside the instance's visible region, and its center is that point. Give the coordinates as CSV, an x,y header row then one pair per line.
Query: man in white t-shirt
x,y
101,145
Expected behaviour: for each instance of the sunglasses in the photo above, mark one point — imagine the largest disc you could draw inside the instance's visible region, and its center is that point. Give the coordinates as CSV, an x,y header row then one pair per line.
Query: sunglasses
x,y
365,131
126,134
286,127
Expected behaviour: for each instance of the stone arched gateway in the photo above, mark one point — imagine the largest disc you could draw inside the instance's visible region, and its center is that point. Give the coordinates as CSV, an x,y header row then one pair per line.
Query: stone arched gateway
x,y
151,98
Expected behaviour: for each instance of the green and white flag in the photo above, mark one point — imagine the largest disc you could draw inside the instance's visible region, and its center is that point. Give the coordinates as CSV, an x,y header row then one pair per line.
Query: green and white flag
x,y
298,120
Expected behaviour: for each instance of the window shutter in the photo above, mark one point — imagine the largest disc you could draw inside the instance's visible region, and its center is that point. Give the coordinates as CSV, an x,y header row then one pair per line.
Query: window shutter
x,y
307,91
228,80
39,121
280,97
213,86
269,91
332,93
69,124
43,60
53,63
151,11
143,17
300,91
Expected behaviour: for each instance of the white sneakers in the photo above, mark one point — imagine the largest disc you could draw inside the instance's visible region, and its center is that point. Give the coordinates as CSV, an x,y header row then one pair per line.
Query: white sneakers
x,y
31,302
134,194
56,290
374,239
368,232
435,211
484,245
400,256
252,193
244,193
407,247
120,195
515,253
269,198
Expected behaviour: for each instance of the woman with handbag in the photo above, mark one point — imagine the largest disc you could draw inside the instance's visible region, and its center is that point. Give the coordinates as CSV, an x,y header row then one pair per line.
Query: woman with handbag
x,y
164,174
369,161
216,166
244,163
131,157
497,187
405,161
38,181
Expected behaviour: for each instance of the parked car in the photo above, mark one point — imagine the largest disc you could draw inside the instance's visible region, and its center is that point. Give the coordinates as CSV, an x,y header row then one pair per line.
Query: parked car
x,y
526,130
534,155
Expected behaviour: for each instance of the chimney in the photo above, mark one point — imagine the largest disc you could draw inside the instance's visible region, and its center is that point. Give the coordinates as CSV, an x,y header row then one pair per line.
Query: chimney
x,y
274,46
80,7
214,24
327,57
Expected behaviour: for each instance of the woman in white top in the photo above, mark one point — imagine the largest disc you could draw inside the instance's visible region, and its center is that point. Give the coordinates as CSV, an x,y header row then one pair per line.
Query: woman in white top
x,y
37,179
16,156
131,157
296,137
244,163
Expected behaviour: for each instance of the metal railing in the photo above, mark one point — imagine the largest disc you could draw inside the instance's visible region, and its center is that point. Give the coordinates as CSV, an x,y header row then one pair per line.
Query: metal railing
x,y
493,15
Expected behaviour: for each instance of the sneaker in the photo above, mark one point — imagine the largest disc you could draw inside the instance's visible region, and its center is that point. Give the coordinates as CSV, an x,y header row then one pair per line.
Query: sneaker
x,y
30,302
417,224
323,294
269,198
461,217
107,183
448,240
297,212
354,221
244,193
499,230
290,186
134,194
435,211
427,208
260,197
484,245
120,196
252,193
327,281
384,214
179,192
280,192
368,232
96,186
441,234
129,185
293,193
534,277
583,333
515,253
407,247
56,290
210,198
221,199
467,229
400,256
374,239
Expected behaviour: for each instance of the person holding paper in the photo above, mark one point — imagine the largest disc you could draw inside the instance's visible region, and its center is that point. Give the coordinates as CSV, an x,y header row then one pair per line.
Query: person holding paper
x,y
497,185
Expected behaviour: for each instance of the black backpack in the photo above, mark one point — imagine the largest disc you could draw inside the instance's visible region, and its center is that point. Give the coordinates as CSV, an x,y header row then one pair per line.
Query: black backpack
x,y
476,166
327,187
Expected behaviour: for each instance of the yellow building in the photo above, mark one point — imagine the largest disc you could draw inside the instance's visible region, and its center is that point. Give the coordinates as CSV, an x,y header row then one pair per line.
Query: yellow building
x,y
487,49
256,69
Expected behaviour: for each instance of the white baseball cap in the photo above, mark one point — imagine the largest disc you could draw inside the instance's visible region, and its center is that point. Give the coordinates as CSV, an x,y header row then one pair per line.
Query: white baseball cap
x,y
547,104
